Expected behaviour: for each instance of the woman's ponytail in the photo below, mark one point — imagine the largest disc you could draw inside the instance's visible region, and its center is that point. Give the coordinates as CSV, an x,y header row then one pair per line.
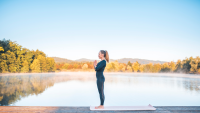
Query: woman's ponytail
x,y
107,56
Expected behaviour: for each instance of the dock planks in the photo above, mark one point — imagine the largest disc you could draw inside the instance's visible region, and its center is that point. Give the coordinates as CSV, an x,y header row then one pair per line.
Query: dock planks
x,y
86,109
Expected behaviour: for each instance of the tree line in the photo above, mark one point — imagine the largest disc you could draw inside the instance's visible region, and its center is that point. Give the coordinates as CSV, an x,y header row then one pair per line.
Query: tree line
x,y
188,65
15,59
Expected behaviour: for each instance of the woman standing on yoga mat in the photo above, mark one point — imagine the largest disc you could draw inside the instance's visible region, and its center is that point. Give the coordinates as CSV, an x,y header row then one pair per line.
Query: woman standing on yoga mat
x,y
99,68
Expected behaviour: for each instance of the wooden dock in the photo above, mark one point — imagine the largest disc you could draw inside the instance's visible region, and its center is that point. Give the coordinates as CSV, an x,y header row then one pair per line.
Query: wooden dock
x,y
64,109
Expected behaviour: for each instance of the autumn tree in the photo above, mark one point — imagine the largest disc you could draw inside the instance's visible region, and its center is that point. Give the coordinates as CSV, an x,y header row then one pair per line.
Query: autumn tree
x,y
179,66
136,66
3,63
75,66
129,68
43,63
11,61
186,64
25,67
122,67
129,63
65,66
51,65
156,67
172,66
112,66
148,67
1,49
165,67
35,66
141,68
14,58
85,66
195,65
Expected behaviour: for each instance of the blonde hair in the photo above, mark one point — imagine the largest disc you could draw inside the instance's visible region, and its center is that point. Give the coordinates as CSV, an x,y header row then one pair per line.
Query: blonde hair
x,y
105,52
107,57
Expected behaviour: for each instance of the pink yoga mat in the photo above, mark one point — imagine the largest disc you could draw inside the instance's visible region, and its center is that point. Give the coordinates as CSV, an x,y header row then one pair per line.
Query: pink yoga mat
x,y
149,107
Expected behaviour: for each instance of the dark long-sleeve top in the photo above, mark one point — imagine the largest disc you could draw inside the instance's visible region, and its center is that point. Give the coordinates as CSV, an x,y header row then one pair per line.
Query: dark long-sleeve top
x,y
99,69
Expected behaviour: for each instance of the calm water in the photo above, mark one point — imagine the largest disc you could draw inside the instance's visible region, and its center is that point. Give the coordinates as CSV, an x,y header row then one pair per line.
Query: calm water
x,y
80,89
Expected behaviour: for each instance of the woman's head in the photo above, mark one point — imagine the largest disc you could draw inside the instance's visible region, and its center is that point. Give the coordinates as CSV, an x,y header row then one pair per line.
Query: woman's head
x,y
104,53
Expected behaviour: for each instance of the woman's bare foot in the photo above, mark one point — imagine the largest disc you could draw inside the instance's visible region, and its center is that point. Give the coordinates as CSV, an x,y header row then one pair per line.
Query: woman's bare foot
x,y
99,107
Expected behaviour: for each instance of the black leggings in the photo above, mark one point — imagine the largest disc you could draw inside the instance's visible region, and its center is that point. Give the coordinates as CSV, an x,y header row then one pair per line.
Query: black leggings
x,y
100,86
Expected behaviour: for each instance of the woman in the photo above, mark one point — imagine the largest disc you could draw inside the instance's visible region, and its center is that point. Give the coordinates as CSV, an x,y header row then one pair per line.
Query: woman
x,y
99,68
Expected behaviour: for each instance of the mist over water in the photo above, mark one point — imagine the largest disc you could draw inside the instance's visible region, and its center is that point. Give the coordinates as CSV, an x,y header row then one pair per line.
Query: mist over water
x,y
80,89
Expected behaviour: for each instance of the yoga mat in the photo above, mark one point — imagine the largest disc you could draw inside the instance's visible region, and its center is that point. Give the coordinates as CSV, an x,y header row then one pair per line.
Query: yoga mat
x,y
149,107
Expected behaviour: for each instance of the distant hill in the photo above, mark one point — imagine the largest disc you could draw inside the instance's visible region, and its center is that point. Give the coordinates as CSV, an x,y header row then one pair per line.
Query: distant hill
x,y
90,60
57,59
84,60
123,60
141,61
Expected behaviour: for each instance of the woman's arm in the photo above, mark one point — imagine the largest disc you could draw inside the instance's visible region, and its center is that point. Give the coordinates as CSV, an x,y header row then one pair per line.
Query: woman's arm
x,y
99,66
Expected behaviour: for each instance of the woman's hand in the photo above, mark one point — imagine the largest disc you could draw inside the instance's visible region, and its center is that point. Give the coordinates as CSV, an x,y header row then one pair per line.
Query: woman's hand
x,y
95,63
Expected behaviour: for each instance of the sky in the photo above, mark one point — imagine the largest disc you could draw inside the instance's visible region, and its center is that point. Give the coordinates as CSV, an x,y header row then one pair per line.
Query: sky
x,y
165,30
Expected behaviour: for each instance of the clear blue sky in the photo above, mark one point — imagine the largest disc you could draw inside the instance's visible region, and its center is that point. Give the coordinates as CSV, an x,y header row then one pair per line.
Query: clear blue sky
x,y
165,30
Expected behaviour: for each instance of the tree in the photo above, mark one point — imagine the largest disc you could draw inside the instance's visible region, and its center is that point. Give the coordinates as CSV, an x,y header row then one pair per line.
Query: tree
x,y
179,66
195,65
129,63
85,66
129,68
43,63
27,55
156,67
136,66
3,63
70,66
90,65
19,61
25,67
51,65
186,65
75,66
141,68
122,67
5,45
148,67
65,66
35,66
112,66
11,60
1,49
165,67
172,66
37,53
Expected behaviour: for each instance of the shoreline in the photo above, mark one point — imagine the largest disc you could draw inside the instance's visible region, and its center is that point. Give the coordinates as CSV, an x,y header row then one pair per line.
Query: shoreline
x,y
110,73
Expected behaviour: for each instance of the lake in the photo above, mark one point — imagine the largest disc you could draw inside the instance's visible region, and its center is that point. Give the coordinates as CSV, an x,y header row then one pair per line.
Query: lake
x,y
80,89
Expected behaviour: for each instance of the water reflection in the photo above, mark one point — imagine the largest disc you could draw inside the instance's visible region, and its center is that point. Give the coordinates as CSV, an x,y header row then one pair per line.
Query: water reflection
x,y
77,88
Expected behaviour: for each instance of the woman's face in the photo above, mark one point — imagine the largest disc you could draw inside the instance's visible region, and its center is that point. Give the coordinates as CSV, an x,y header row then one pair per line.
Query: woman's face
x,y
100,55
